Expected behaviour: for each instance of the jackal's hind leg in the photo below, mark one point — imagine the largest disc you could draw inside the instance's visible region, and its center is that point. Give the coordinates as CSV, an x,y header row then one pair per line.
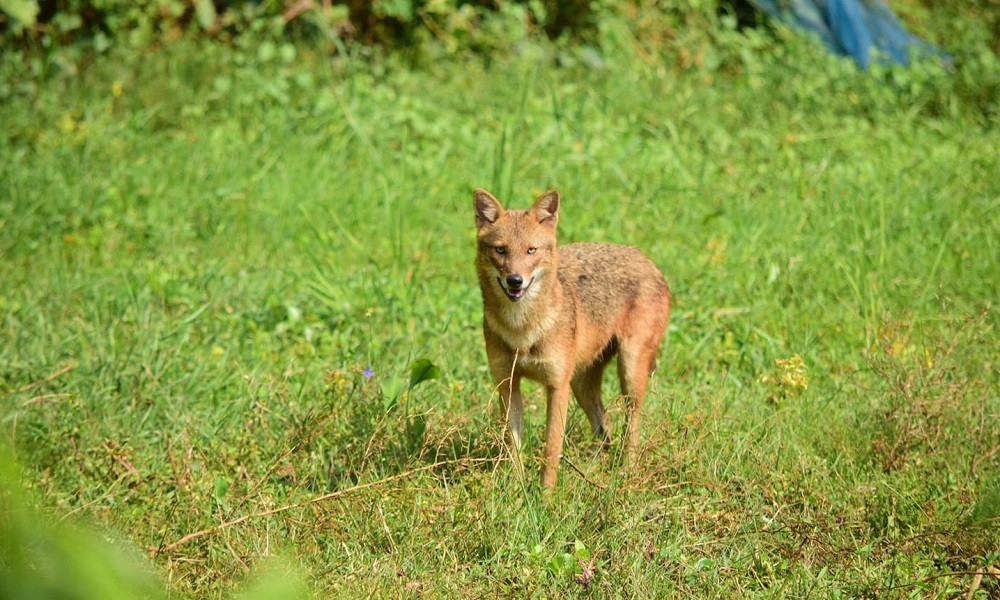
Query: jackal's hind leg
x,y
586,386
636,359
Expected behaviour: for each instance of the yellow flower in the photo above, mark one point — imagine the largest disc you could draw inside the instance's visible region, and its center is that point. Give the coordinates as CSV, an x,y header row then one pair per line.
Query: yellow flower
x,y
116,88
67,123
791,376
716,249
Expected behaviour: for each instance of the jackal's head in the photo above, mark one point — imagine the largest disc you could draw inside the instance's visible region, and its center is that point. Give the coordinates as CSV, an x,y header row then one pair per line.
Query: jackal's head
x,y
517,248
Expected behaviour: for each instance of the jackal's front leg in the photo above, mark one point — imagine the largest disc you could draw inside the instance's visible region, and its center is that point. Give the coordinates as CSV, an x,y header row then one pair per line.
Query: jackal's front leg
x,y
511,410
555,428
508,387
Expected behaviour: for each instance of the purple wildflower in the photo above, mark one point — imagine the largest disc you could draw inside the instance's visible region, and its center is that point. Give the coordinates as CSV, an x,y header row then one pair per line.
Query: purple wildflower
x,y
367,372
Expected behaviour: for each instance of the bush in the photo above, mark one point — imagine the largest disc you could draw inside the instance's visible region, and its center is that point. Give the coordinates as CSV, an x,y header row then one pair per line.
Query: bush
x,y
142,22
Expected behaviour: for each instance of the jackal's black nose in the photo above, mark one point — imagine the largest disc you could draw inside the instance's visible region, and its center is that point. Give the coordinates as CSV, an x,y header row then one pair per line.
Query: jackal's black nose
x,y
514,281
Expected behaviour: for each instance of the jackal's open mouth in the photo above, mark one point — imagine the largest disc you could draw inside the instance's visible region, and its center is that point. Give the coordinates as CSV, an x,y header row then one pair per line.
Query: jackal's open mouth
x,y
515,294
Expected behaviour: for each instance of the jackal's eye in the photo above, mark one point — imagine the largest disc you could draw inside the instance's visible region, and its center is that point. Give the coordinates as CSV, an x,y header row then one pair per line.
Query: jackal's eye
x,y
500,250
532,250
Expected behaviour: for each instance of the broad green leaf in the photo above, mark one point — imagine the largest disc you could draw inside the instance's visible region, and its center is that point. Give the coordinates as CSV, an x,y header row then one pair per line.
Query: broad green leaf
x,y
422,370
221,486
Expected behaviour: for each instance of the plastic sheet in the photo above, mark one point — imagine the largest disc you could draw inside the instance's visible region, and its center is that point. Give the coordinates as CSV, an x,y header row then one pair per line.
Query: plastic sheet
x,y
866,30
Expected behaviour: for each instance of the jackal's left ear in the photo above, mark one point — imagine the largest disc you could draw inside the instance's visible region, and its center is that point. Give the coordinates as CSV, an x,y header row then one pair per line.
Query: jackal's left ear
x,y
546,207
488,208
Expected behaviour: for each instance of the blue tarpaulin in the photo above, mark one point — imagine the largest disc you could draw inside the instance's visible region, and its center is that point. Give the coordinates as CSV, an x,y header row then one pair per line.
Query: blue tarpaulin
x,y
866,30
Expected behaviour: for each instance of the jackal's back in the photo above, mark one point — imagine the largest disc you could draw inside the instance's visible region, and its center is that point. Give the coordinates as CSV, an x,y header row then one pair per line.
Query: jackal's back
x,y
608,278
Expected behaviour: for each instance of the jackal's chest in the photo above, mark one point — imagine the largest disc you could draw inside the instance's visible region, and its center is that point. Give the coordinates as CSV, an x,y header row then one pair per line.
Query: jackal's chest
x,y
521,331
536,362
530,352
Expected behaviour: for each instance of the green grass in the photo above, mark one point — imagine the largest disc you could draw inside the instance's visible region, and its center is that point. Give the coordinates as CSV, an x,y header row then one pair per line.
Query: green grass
x,y
193,275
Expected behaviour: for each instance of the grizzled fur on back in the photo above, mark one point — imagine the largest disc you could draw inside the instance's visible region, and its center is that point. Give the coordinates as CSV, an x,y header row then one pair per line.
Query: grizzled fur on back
x,y
608,278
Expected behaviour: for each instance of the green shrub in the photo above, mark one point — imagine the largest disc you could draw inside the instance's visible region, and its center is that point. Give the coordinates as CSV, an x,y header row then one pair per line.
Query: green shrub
x,y
142,22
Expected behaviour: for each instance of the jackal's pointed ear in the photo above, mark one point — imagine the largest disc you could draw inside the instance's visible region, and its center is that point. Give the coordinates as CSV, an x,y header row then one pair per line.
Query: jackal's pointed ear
x,y
546,208
488,208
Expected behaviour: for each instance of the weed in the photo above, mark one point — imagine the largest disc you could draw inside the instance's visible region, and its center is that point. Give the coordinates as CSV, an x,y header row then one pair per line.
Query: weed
x,y
934,396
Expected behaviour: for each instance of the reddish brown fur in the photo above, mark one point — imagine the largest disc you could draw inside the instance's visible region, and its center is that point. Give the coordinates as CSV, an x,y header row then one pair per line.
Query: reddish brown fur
x,y
583,304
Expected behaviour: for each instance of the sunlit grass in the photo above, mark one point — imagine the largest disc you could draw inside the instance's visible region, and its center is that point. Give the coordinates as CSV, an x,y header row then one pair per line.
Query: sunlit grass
x,y
202,263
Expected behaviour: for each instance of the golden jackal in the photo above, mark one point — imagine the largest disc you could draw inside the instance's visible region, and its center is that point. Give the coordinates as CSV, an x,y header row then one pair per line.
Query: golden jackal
x,y
559,315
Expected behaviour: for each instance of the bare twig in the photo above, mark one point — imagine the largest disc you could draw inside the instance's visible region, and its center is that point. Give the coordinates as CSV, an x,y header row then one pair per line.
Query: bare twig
x,y
310,501
978,579
72,365
584,475
976,460
510,379
27,403
978,574
987,571
120,458
505,405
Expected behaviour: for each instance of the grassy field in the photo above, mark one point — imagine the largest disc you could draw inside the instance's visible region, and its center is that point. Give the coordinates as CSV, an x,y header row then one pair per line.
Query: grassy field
x,y
205,253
